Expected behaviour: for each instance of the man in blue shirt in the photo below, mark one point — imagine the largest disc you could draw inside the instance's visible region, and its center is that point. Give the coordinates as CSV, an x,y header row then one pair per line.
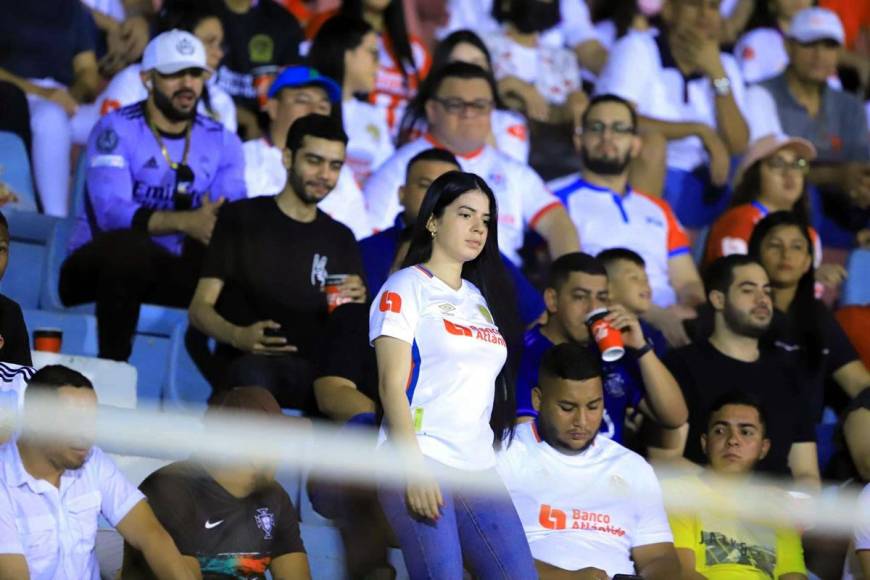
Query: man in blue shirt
x,y
577,286
384,252
157,174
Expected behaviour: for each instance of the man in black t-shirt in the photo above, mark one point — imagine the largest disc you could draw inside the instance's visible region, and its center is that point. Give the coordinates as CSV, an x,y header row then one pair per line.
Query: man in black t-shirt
x,y
14,339
262,290
227,522
739,292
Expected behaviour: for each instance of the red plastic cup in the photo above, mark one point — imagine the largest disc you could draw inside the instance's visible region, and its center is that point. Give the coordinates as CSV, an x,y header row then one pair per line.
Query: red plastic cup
x,y
333,298
608,338
47,339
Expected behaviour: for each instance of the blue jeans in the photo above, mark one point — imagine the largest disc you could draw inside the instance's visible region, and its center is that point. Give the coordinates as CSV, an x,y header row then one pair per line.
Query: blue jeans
x,y
483,530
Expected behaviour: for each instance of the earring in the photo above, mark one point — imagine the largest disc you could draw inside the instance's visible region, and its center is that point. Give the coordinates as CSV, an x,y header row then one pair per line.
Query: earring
x,y
434,233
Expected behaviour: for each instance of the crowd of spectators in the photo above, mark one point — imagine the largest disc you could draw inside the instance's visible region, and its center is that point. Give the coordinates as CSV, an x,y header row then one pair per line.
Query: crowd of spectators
x,y
349,198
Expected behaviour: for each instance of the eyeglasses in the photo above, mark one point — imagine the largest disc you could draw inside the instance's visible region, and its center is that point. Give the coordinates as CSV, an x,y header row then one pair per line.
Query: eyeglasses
x,y
194,72
782,166
456,106
599,128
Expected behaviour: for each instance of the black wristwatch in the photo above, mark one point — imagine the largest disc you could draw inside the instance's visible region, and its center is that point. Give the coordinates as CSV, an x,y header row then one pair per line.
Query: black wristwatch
x,y
639,352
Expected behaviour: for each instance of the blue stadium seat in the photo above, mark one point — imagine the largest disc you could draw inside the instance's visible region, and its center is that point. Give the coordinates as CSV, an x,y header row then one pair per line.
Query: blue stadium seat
x,y
151,359
79,330
856,290
186,388
15,171
153,319
24,274
29,234
325,551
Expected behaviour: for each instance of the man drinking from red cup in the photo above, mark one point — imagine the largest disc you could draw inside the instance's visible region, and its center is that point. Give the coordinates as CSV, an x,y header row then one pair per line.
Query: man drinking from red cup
x,y
577,292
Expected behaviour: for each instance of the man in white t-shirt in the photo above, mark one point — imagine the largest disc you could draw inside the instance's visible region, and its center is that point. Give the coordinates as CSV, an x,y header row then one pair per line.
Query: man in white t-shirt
x,y
608,213
299,91
458,116
692,94
588,505
52,493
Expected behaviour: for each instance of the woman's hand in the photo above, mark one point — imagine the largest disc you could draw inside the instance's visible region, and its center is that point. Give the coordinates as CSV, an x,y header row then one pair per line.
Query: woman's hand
x,y
424,498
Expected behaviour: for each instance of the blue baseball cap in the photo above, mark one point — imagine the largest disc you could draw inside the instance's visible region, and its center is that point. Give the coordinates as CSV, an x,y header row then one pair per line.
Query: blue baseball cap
x,y
294,77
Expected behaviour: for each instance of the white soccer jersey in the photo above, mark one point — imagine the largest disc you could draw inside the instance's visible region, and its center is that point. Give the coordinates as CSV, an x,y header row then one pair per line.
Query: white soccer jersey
x,y
553,71
583,510
126,88
521,194
635,221
457,353
511,134
575,26
637,71
265,175
369,142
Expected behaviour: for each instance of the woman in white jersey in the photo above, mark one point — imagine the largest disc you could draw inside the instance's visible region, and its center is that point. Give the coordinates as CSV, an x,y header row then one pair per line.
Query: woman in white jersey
x,y
439,327
346,50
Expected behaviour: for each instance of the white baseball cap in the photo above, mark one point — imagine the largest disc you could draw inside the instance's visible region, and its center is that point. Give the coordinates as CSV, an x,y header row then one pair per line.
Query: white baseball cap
x,y
813,24
172,51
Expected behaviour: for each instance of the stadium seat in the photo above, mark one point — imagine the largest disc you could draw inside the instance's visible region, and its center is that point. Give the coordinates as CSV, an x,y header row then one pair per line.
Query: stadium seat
x,y
186,388
151,359
79,330
856,290
15,171
325,551
24,274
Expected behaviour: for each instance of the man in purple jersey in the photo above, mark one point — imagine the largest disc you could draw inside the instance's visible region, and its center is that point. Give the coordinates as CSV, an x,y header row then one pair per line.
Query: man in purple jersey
x,y
157,174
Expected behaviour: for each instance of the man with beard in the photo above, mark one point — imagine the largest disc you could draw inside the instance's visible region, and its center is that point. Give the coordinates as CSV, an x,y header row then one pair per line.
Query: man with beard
x,y
608,213
271,266
732,358
157,174
53,491
229,521
590,508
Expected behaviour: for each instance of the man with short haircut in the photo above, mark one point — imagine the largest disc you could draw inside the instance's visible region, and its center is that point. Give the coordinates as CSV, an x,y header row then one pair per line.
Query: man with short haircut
x,y
157,172
262,290
628,285
458,120
692,94
739,293
384,252
608,213
714,546
229,521
800,103
577,286
590,507
52,493
299,91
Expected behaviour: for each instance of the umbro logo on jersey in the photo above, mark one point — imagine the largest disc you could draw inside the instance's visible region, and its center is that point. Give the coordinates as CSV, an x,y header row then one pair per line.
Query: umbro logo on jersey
x,y
209,525
151,164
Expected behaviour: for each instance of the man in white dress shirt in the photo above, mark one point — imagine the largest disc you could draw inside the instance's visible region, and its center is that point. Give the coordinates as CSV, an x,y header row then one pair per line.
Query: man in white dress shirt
x,y
52,493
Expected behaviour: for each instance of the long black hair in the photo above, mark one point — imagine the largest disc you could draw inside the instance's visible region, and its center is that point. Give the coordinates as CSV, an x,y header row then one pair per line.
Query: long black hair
x,y
620,12
488,273
749,190
396,31
414,118
803,309
336,37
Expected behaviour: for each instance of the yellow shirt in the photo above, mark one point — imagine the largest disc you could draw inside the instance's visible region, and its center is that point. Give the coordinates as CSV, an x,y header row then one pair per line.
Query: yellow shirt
x,y
732,550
